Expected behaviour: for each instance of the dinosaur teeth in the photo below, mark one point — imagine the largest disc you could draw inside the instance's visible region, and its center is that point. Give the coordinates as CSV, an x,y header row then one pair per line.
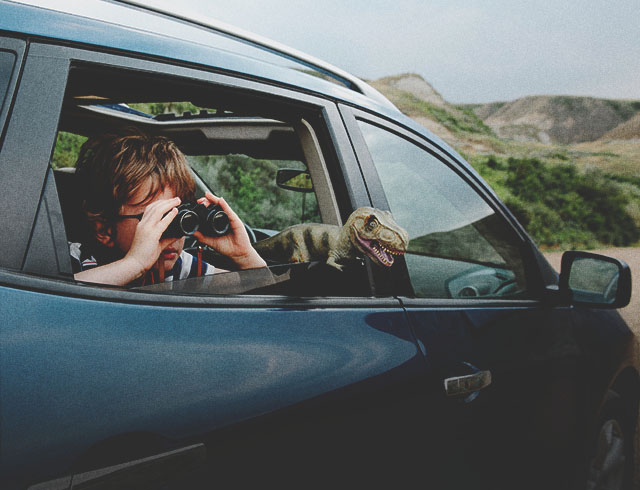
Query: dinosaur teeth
x,y
386,259
392,251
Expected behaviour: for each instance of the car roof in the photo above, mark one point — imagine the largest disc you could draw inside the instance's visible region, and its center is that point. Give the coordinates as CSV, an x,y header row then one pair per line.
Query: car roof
x,y
133,26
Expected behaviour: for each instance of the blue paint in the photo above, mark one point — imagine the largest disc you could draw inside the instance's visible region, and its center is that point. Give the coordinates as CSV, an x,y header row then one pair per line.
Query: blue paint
x,y
97,369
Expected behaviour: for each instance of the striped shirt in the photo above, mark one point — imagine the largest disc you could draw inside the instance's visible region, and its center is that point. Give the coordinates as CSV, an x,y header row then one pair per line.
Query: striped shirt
x,y
83,258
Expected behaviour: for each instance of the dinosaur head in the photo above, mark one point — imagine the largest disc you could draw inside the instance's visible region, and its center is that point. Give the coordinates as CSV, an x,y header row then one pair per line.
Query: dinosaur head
x,y
376,234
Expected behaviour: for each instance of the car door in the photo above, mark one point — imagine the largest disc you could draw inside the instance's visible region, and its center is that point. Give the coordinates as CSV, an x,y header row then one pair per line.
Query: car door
x,y
104,386
502,364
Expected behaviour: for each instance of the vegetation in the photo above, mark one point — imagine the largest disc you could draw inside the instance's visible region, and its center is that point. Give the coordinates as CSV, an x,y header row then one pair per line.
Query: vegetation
x,y
250,186
566,196
626,108
156,108
457,120
67,149
561,206
579,196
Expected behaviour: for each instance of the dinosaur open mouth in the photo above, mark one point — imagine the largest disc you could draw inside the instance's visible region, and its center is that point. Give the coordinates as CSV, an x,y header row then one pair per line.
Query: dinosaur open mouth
x,y
381,253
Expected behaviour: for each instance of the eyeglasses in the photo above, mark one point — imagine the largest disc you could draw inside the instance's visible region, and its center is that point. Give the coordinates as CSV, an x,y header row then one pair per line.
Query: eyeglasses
x,y
125,216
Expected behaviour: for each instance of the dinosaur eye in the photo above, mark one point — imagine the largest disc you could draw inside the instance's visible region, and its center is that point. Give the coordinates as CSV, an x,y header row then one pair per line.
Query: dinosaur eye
x,y
372,223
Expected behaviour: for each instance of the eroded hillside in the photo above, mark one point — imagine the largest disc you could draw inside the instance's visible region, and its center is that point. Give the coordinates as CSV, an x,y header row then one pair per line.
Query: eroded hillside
x,y
557,119
585,152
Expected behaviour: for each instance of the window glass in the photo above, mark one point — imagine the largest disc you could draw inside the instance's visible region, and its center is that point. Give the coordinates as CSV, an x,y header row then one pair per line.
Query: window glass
x,y
459,247
7,61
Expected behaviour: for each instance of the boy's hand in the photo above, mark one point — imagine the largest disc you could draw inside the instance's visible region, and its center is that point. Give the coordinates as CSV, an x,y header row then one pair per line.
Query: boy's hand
x,y
236,244
147,244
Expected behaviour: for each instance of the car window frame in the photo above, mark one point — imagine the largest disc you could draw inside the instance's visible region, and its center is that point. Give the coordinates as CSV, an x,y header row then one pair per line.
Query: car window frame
x,y
24,156
402,283
18,48
350,192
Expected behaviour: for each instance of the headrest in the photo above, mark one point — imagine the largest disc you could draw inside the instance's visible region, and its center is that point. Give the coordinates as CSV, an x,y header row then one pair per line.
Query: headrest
x,y
75,221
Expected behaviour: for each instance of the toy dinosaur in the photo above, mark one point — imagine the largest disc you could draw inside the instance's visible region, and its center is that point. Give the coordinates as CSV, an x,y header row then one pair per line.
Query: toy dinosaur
x,y
368,231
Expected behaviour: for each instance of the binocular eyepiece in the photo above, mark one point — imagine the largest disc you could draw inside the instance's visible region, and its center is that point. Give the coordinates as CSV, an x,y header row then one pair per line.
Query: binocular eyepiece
x,y
192,217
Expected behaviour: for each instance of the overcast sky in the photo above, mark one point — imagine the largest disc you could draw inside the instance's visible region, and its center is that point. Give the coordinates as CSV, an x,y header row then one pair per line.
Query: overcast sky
x,y
470,51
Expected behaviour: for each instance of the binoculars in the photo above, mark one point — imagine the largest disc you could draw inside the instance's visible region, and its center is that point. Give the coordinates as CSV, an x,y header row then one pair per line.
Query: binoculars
x,y
192,217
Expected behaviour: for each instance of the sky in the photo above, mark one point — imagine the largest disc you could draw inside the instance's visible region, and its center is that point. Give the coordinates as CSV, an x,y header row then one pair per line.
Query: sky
x,y
470,51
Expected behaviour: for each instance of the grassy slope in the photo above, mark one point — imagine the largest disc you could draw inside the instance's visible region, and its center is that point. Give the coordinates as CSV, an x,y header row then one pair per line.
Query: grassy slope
x,y
591,192
597,205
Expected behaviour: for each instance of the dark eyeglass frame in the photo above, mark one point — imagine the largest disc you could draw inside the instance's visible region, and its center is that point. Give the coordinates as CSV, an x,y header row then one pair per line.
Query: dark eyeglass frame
x,y
125,216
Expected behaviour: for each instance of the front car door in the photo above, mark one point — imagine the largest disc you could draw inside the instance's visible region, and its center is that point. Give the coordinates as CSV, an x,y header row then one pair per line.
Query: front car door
x,y
503,366
118,387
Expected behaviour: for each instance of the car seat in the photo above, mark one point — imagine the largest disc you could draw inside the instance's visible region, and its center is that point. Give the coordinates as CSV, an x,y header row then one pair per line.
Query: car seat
x,y
75,222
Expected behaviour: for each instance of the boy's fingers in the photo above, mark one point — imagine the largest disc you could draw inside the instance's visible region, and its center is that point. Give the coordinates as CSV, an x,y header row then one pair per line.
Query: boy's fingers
x,y
233,217
208,199
160,208
211,197
168,217
219,201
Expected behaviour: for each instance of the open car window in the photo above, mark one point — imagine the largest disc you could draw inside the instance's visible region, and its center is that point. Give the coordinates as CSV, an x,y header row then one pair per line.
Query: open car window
x,y
263,158
251,184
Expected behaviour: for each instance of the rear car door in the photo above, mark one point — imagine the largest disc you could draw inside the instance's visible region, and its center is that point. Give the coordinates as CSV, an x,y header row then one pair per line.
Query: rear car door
x,y
116,387
503,365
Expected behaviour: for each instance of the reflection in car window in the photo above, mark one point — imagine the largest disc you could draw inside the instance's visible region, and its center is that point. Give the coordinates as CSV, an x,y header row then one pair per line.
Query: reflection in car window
x,y
459,247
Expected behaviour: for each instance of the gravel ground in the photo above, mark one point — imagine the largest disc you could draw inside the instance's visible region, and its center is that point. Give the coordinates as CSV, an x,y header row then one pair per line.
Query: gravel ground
x,y
631,314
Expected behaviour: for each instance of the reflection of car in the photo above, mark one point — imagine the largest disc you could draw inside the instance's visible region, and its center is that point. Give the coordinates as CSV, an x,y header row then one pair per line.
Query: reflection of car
x,y
469,363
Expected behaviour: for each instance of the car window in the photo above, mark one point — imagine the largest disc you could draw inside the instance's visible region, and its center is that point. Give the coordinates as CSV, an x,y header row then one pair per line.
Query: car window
x,y
266,162
459,247
7,62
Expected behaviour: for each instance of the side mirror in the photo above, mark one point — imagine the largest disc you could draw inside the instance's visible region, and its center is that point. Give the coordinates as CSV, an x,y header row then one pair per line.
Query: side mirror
x,y
595,280
294,180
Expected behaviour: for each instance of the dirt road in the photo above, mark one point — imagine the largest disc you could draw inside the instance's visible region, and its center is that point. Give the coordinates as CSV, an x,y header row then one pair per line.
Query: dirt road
x,y
631,314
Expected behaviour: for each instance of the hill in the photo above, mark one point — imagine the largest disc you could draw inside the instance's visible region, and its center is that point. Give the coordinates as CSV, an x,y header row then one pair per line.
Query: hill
x,y
568,167
416,98
626,131
557,119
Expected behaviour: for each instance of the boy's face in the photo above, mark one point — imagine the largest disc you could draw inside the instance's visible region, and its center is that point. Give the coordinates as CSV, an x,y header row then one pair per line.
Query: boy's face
x,y
125,229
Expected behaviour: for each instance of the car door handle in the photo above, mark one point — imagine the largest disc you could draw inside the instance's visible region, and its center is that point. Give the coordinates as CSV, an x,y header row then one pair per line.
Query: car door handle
x,y
467,385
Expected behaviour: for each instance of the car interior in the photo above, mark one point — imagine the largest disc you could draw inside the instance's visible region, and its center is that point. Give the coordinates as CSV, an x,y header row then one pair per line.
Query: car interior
x,y
229,138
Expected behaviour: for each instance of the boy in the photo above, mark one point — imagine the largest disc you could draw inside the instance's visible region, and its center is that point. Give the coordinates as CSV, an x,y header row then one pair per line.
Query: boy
x,y
123,175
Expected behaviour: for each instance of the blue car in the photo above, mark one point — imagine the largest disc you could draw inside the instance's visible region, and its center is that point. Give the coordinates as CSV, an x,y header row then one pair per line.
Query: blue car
x,y
468,363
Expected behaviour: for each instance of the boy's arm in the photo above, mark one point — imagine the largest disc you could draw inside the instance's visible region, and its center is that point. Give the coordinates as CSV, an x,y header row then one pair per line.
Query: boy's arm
x,y
145,249
236,245
116,273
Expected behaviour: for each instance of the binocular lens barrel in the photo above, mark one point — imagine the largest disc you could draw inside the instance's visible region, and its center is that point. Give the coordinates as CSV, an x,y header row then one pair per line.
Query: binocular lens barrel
x,y
189,222
191,217
218,222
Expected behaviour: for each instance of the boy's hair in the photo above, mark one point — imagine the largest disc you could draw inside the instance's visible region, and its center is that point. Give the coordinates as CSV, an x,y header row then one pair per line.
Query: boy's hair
x,y
111,167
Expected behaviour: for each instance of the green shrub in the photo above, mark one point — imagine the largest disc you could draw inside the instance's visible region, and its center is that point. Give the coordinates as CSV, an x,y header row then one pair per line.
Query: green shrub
x,y
559,206
66,150
249,185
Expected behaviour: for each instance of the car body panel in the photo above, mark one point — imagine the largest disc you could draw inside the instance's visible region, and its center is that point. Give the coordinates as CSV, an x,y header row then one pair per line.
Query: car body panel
x,y
174,372
201,388
536,352
167,40
158,36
